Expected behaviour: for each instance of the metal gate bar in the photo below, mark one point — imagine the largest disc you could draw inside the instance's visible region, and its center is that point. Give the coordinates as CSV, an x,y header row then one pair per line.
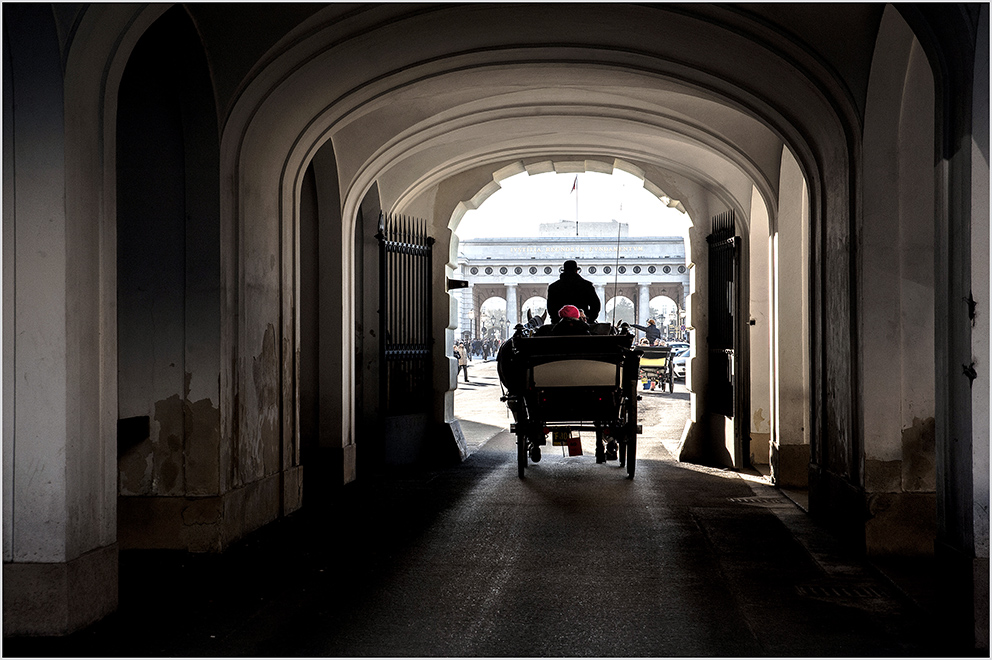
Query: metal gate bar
x,y
405,312
723,284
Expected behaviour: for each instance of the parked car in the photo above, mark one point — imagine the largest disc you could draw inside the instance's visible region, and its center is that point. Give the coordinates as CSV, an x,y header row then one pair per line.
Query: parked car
x,y
678,345
678,364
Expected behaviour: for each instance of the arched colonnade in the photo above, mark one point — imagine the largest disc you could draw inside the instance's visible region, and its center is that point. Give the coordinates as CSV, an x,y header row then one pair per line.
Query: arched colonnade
x,y
834,201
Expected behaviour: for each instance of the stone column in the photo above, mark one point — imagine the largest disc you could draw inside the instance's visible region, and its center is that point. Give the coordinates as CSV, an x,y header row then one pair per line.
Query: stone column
x,y
790,453
643,303
512,309
761,407
601,294
466,313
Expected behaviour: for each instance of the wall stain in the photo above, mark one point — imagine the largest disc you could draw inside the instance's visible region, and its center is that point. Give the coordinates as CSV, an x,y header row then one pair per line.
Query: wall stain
x,y
168,450
202,443
134,469
265,374
758,422
919,463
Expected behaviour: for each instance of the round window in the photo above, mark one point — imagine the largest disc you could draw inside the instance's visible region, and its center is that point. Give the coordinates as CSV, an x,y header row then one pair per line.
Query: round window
x,y
533,270
547,270
607,270
681,269
474,271
592,270
518,270
637,269
652,270
503,271
489,270
667,269
622,270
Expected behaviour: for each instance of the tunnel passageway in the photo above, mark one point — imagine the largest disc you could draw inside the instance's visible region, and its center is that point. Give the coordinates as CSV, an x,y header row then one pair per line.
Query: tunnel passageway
x,y
574,560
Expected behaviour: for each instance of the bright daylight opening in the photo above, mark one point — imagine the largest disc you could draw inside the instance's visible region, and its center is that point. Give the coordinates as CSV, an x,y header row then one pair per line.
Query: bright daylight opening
x,y
629,243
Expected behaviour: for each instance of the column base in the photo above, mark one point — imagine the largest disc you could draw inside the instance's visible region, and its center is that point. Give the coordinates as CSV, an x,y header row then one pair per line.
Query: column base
x,y
901,524
790,466
708,441
59,599
963,603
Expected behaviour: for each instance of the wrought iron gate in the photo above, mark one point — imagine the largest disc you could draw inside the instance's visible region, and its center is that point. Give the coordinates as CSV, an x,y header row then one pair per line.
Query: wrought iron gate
x,y
724,290
405,315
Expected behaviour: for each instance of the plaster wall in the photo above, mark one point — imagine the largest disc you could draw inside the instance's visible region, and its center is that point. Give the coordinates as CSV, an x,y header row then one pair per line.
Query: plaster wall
x,y
761,413
981,245
981,256
790,245
897,290
36,443
62,568
336,406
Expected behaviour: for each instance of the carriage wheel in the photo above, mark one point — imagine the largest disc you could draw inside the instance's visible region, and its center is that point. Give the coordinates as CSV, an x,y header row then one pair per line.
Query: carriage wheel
x,y
630,432
631,454
521,454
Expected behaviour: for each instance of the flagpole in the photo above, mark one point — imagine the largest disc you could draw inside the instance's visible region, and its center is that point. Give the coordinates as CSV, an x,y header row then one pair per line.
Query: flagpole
x,y
576,204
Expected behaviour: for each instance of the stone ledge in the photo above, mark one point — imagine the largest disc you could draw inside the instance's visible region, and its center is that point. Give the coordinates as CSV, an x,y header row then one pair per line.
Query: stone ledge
x,y
206,524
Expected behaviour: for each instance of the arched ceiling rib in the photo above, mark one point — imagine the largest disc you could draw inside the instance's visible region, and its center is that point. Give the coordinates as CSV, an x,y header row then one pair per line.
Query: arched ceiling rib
x,y
708,94
419,133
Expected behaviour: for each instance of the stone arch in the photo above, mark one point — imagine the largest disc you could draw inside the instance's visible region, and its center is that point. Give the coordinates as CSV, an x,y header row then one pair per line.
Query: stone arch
x,y
656,302
897,312
168,289
537,305
498,325
620,301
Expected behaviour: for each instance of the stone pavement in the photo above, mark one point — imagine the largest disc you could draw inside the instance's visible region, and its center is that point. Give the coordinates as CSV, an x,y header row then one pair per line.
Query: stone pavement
x,y
575,560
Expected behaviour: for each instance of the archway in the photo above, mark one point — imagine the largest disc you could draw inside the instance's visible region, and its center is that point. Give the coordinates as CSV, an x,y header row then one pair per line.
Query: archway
x,y
168,290
493,321
620,309
667,314
535,307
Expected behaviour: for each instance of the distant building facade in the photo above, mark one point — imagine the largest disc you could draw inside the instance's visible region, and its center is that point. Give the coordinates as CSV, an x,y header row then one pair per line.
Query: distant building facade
x,y
518,270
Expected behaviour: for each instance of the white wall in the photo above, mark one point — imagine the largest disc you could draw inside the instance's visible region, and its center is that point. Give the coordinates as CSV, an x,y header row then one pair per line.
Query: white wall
x,y
761,411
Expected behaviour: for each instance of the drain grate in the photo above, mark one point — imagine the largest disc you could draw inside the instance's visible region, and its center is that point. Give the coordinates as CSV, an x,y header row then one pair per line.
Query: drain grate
x,y
838,591
757,500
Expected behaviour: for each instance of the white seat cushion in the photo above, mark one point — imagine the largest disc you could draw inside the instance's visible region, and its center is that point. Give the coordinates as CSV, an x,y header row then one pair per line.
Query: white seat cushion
x,y
576,373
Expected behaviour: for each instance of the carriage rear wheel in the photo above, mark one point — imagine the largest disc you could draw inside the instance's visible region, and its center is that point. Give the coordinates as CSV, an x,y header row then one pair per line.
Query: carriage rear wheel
x,y
629,432
631,454
521,454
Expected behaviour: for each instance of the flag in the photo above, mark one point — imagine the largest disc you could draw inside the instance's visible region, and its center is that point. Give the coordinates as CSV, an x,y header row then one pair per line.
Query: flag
x,y
575,185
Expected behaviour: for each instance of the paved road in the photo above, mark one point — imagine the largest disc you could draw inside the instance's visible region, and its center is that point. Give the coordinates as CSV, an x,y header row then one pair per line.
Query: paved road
x,y
574,560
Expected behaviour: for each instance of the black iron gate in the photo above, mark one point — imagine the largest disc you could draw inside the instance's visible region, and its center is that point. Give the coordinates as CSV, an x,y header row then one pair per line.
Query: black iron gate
x,y
405,316
724,290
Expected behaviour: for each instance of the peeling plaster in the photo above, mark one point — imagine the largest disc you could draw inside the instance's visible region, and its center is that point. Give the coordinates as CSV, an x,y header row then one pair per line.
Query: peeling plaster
x,y
167,448
758,422
919,463
265,375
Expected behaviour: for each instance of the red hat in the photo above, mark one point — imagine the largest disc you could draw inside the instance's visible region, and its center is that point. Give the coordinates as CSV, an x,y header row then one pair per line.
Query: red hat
x,y
569,312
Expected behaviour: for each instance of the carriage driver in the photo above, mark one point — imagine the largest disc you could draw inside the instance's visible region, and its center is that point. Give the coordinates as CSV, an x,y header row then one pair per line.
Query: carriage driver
x,y
572,289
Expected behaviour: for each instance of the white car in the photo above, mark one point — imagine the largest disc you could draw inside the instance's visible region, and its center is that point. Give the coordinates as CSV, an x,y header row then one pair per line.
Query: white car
x,y
678,363
678,346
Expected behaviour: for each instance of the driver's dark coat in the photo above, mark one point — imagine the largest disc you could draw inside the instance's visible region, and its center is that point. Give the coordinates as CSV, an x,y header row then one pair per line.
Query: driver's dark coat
x,y
572,289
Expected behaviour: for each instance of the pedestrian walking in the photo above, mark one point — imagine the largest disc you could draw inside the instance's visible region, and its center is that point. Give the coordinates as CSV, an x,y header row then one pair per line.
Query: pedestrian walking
x,y
462,353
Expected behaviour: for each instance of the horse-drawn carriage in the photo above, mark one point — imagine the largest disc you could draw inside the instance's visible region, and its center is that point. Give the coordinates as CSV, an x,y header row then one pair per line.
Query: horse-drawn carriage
x,y
657,367
560,384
